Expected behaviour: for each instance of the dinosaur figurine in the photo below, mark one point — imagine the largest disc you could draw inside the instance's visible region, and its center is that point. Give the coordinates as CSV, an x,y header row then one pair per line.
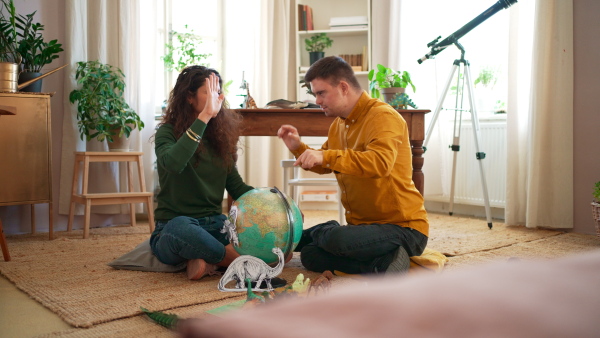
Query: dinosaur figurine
x,y
401,101
168,320
300,285
255,269
252,299
231,232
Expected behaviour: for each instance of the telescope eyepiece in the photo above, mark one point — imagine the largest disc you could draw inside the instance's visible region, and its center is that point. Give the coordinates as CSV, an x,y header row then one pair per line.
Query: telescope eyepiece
x,y
434,41
507,3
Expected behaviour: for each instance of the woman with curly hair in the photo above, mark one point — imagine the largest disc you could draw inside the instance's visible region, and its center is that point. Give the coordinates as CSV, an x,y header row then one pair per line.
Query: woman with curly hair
x,y
196,145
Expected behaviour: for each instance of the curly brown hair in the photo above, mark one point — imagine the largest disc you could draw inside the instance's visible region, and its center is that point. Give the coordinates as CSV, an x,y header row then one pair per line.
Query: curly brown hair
x,y
222,132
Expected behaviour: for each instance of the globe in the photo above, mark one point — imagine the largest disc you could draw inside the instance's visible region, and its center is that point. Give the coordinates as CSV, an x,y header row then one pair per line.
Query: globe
x,y
265,218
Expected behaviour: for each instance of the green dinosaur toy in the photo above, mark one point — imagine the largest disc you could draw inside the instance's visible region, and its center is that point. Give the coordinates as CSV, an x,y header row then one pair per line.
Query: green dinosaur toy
x,y
167,320
251,296
401,101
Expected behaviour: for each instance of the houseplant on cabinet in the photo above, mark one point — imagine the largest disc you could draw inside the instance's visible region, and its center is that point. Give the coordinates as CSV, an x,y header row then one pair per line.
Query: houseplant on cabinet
x,y
102,112
386,83
10,59
35,52
22,43
315,46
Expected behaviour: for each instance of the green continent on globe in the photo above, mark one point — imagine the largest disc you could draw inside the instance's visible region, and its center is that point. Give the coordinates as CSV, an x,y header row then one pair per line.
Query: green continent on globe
x,y
261,220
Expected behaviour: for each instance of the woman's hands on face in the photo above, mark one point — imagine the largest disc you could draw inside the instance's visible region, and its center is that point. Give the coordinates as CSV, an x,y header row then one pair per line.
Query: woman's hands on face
x,y
214,99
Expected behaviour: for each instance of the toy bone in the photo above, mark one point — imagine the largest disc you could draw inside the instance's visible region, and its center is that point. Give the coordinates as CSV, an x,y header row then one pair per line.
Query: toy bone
x,y
256,269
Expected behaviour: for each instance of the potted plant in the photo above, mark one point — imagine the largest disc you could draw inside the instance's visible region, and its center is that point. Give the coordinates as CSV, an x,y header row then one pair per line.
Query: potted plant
x,y
183,53
10,59
35,52
102,112
596,206
315,46
386,82
22,43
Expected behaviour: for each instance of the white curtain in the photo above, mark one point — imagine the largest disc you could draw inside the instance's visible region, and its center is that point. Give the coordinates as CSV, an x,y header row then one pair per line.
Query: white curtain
x,y
107,31
540,179
271,78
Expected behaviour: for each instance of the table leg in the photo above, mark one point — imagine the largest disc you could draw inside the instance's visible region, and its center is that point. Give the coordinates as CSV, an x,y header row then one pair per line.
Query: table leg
x,y
417,162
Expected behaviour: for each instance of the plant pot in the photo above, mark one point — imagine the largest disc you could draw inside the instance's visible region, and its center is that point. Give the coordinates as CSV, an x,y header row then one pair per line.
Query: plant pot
x,y
35,87
9,75
389,93
118,143
315,56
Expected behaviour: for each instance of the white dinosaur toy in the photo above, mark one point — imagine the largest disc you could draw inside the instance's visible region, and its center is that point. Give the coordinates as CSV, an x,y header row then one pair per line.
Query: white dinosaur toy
x,y
256,269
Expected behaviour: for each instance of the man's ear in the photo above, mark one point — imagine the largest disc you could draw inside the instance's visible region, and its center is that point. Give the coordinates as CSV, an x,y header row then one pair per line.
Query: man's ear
x,y
344,87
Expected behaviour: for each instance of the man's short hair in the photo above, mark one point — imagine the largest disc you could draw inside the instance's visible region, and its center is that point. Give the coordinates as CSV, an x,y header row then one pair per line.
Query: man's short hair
x,y
332,69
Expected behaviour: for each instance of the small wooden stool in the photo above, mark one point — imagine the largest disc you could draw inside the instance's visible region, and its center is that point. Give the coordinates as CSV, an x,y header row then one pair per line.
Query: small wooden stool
x,y
89,199
3,244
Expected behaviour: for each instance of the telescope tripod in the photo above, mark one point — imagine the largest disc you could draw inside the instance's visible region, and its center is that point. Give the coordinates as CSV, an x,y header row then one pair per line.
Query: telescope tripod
x,y
455,147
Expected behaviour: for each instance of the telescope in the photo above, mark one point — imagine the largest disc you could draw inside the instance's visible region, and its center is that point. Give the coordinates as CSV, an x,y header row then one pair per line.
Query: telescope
x,y
453,38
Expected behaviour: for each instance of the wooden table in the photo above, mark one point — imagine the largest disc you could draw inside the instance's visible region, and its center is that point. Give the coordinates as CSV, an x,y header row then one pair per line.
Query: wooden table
x,y
313,122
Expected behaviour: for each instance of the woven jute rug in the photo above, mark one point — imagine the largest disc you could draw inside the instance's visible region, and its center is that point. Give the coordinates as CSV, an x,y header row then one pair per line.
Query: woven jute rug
x,y
70,277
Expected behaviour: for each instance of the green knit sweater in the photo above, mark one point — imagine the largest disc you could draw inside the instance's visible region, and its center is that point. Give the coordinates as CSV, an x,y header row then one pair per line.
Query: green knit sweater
x,y
186,190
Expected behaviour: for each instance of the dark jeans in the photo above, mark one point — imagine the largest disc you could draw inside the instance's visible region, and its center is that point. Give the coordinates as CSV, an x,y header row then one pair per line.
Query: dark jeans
x,y
183,238
356,249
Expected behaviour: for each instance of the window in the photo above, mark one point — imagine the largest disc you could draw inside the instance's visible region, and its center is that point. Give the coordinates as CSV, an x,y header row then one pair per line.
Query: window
x,y
486,48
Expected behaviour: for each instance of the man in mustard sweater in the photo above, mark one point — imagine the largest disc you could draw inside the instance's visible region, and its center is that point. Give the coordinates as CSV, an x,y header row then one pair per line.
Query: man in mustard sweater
x,y
369,151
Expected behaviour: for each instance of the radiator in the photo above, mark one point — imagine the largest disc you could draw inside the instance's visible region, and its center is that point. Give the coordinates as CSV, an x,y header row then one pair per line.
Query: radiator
x,y
468,187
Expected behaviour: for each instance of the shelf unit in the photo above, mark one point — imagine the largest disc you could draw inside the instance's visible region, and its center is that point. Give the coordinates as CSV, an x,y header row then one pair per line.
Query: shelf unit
x,y
345,41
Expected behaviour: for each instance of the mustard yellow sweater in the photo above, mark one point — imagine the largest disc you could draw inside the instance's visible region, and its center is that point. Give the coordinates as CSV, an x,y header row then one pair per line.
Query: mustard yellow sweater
x,y
370,154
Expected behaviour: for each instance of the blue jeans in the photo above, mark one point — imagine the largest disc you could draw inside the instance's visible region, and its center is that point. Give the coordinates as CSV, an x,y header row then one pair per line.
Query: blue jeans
x,y
356,249
183,238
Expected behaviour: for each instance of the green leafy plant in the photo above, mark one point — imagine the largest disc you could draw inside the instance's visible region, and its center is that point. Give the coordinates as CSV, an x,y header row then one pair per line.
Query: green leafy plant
x,y
8,33
101,108
596,192
384,77
318,42
36,53
183,52
22,40
487,77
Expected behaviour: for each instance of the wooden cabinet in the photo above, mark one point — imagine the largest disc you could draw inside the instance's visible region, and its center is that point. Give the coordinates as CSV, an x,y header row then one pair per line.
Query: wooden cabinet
x,y
25,150
345,41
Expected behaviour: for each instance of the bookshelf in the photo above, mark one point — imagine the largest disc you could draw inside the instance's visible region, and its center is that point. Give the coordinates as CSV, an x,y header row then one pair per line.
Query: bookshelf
x,y
345,41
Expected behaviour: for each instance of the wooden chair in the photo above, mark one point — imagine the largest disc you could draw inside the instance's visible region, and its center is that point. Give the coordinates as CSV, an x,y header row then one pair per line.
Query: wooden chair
x,y
3,244
292,179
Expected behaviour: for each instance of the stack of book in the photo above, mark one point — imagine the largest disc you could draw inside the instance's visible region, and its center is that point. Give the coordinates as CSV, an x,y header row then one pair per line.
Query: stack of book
x,y
305,18
348,22
354,60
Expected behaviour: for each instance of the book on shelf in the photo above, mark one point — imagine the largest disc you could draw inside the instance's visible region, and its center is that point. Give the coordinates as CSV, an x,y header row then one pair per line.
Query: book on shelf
x,y
305,18
348,22
356,61
348,27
